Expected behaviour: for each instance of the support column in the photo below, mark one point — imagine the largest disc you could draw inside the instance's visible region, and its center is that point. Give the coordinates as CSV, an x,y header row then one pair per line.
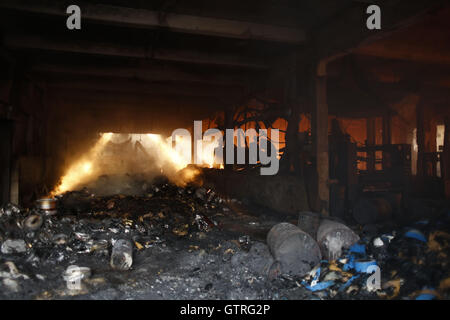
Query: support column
x,y
292,147
14,188
370,141
228,123
426,140
6,132
430,143
6,126
387,136
445,164
320,135
420,139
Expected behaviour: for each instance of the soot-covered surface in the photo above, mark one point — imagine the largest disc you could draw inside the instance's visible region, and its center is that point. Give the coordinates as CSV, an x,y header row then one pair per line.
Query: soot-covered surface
x,y
190,243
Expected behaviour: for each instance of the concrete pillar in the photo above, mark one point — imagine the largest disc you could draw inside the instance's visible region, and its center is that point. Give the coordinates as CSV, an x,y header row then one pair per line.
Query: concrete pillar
x,y
228,122
370,141
6,133
319,123
426,140
6,126
445,164
420,138
292,147
387,136
14,189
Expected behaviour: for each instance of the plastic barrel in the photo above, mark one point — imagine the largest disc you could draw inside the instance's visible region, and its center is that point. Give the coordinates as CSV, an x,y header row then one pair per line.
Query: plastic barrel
x,y
333,236
296,250
309,222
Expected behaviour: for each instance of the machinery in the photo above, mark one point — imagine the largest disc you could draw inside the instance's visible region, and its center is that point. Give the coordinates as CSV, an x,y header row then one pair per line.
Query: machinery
x,y
369,181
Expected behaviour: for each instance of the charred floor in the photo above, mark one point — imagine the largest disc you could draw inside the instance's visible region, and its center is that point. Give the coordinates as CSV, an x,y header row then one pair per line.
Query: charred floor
x,y
224,150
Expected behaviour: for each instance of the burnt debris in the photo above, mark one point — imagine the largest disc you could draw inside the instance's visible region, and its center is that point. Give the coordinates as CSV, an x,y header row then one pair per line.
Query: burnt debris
x,y
189,242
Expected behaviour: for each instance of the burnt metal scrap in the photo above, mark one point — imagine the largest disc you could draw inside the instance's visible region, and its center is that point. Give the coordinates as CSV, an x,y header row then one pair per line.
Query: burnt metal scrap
x,y
176,243
107,228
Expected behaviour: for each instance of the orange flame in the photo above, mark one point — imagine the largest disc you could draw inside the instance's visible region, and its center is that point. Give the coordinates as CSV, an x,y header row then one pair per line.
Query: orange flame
x,y
81,170
89,166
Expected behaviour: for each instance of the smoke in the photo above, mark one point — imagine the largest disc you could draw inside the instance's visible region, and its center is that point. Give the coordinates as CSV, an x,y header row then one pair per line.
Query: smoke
x,y
126,164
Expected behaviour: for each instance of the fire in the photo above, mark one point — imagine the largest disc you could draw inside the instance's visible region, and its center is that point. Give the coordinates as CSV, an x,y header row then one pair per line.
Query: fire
x,y
82,170
87,167
180,156
169,160
167,152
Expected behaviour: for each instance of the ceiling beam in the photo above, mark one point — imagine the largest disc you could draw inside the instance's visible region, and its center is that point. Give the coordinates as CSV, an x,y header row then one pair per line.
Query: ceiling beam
x,y
127,101
141,18
131,51
146,72
114,85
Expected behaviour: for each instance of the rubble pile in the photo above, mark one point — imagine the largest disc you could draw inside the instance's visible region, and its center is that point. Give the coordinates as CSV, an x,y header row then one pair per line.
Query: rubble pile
x,y
103,229
173,242
408,263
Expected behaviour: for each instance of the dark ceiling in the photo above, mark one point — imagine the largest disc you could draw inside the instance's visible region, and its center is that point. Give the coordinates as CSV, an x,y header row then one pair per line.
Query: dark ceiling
x,y
201,50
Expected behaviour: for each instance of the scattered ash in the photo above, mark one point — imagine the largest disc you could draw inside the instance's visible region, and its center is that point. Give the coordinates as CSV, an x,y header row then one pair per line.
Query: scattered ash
x,y
191,243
